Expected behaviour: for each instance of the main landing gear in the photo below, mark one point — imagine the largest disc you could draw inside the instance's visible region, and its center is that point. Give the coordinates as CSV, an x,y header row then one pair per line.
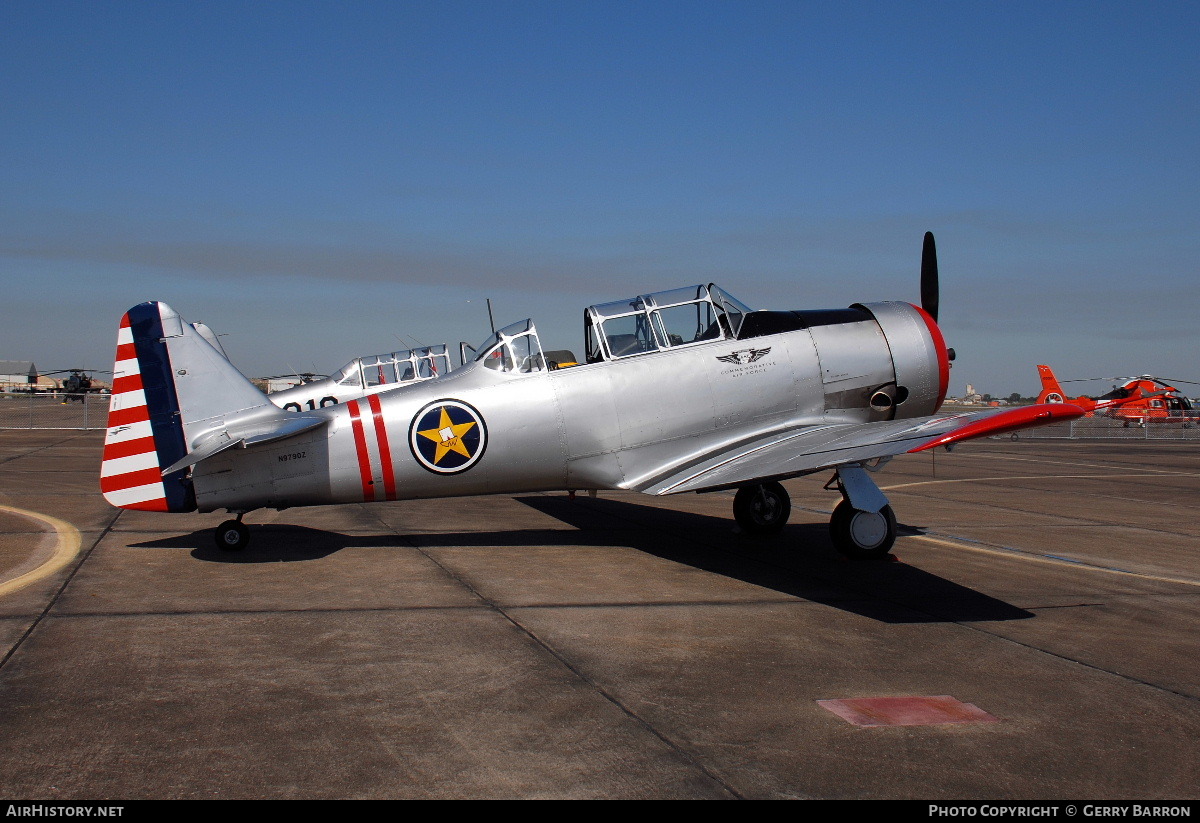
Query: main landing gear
x,y
862,535
863,526
232,535
762,510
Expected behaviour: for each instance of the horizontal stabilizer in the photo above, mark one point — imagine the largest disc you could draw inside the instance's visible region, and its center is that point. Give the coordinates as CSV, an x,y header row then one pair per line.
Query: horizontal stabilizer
x,y
247,434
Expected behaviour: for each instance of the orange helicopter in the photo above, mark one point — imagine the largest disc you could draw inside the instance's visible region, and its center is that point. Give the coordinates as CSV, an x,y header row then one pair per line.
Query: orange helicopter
x,y
1141,400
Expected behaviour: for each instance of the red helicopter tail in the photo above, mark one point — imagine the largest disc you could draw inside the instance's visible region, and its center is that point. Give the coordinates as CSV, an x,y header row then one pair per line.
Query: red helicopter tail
x,y
1051,391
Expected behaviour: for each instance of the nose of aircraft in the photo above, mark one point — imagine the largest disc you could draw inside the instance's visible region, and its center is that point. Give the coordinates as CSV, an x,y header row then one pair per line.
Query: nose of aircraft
x,y
930,300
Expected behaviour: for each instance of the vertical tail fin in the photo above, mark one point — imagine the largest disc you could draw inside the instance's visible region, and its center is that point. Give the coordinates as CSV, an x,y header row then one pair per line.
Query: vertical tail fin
x,y
178,400
145,430
1051,391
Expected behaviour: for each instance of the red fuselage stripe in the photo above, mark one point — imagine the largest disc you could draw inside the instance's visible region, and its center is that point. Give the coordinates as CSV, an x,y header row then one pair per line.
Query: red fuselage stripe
x,y
360,446
385,451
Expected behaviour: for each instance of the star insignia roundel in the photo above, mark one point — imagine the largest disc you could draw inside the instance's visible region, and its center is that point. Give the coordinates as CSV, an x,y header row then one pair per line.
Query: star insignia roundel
x,y
447,436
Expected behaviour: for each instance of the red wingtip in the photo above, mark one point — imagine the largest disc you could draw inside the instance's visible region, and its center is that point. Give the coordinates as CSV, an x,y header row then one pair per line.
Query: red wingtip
x,y
1024,417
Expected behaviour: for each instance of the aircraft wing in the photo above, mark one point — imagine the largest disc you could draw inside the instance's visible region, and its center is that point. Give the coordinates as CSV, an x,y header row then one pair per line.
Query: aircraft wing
x,y
810,448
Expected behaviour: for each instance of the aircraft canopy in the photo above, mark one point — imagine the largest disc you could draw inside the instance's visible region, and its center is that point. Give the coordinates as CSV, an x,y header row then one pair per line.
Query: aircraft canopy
x,y
661,320
394,367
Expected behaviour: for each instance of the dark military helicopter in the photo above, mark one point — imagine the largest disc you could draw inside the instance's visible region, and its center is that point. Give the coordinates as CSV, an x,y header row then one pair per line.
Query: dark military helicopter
x,y
78,383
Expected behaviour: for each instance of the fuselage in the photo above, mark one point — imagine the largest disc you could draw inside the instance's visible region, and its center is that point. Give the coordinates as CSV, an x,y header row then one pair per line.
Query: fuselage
x,y
506,424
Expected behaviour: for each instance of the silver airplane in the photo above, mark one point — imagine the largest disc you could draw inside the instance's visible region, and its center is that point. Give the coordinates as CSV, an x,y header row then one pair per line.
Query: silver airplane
x,y
686,390
365,376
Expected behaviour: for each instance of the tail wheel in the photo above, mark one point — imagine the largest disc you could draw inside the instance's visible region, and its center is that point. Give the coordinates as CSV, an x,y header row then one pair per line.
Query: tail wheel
x,y
762,510
232,536
862,535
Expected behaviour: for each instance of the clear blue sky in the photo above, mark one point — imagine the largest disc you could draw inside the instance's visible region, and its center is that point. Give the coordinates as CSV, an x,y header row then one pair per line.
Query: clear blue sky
x,y
323,180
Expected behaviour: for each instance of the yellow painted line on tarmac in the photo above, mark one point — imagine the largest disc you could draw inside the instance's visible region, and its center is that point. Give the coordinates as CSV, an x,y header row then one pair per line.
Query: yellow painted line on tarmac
x,y
1113,468
1024,554
69,542
994,479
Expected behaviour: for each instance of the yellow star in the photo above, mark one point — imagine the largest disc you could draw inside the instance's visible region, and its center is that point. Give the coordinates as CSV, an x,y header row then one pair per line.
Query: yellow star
x,y
448,436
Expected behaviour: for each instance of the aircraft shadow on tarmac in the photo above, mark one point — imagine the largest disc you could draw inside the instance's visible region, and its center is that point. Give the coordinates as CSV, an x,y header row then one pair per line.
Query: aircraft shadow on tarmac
x,y
800,561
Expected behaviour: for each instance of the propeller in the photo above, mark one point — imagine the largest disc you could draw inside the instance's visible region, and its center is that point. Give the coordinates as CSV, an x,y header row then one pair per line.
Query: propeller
x,y
929,277
929,282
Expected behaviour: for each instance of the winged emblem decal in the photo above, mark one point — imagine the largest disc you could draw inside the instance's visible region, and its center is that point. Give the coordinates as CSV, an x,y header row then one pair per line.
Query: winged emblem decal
x,y
743,356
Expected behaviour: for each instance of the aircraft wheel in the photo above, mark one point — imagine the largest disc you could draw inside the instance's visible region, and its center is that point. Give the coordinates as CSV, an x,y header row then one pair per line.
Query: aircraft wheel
x,y
232,535
762,510
862,535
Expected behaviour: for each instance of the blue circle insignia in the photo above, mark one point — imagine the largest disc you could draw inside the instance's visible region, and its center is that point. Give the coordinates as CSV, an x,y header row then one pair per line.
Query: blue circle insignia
x,y
447,436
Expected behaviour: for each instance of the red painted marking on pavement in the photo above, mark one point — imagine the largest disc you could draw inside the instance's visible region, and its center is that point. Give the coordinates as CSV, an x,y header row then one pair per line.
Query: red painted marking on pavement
x,y
906,711
385,451
360,446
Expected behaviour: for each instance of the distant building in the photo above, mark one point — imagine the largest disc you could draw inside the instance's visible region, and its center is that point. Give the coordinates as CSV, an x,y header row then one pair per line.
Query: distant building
x,y
18,374
274,384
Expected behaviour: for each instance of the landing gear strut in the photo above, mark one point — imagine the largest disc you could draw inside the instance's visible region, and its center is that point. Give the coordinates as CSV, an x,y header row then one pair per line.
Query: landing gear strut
x,y
762,510
232,535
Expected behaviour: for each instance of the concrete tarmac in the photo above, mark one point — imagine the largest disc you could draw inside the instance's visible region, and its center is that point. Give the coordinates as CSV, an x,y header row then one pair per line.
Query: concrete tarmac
x,y
617,647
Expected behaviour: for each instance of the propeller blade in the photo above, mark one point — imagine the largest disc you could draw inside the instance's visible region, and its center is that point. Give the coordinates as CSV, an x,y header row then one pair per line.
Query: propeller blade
x,y
929,277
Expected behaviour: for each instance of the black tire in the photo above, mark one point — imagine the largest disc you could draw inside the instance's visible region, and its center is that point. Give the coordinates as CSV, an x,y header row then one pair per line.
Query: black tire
x,y
862,535
762,510
232,536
